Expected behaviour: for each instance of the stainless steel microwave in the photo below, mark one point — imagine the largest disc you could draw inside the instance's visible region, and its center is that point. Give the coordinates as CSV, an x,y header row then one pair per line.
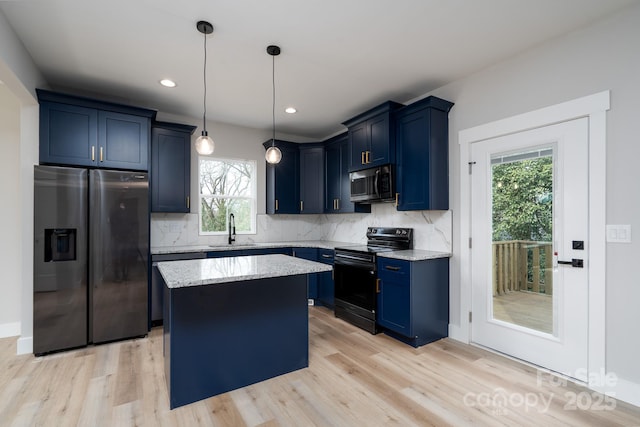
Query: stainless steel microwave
x,y
373,185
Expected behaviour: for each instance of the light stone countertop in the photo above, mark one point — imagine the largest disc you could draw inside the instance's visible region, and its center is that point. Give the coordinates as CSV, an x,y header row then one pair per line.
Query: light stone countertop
x,y
414,255
322,244
197,272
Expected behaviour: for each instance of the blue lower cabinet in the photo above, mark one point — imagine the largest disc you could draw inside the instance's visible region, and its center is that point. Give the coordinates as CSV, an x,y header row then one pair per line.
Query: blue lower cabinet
x,y
312,279
325,280
413,303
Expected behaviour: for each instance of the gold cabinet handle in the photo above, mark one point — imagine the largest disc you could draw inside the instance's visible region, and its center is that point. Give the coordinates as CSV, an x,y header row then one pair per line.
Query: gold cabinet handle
x,y
377,286
362,161
301,205
101,154
368,157
93,153
188,203
276,204
397,197
337,204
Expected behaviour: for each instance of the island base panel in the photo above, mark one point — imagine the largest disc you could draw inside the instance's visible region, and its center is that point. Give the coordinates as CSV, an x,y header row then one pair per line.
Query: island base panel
x,y
225,336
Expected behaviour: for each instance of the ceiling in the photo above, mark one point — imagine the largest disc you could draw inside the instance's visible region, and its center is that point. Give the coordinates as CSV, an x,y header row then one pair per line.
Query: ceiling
x,y
338,59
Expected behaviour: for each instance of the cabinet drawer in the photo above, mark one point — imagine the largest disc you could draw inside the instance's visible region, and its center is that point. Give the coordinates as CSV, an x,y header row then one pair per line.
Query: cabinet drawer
x,y
393,267
325,256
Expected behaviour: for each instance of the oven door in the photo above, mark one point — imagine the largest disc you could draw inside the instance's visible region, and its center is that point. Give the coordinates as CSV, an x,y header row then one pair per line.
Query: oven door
x,y
355,291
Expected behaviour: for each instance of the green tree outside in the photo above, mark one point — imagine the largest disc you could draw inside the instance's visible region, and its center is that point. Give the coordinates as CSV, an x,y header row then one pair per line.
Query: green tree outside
x,y
523,200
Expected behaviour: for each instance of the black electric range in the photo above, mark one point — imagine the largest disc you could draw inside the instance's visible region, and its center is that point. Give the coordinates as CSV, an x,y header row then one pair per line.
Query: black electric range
x,y
356,278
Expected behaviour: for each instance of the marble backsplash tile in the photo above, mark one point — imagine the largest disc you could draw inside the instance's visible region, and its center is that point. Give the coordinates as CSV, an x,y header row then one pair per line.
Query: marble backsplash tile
x,y
432,229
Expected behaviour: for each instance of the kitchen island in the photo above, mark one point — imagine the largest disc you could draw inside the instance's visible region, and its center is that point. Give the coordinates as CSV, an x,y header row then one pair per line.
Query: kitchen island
x,y
231,322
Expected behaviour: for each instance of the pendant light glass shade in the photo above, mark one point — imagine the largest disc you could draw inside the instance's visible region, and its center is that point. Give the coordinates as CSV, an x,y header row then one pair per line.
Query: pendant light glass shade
x,y
273,154
204,143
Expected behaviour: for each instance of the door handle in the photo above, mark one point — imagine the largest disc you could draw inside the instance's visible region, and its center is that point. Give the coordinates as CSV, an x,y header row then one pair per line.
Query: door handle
x,y
578,263
188,203
392,268
397,197
368,157
362,157
93,153
575,262
101,155
276,204
377,286
337,204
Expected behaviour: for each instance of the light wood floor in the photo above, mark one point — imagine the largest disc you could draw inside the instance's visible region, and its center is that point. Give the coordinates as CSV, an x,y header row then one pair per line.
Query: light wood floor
x,y
527,309
353,379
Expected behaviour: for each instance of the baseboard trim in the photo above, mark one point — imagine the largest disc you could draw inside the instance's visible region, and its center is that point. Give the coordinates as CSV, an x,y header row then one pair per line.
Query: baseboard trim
x,y
620,389
25,345
9,329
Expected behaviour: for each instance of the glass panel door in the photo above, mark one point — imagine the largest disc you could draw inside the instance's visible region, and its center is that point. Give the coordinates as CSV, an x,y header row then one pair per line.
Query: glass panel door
x,y
522,235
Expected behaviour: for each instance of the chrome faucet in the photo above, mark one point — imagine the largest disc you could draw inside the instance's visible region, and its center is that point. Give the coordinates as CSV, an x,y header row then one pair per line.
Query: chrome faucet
x,y
232,228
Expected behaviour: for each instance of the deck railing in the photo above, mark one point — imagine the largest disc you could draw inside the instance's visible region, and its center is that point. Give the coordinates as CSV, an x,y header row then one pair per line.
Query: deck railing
x,y
522,265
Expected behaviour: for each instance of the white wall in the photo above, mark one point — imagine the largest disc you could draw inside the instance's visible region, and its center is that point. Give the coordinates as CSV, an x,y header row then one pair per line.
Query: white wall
x,y
10,288
21,77
604,56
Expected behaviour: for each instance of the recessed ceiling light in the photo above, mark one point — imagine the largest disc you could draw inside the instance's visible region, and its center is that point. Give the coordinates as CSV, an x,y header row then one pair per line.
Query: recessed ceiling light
x,y
168,83
290,110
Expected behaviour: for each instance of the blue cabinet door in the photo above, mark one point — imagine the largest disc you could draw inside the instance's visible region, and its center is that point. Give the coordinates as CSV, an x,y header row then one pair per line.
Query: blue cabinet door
x,y
124,140
171,168
326,288
312,279
283,194
333,176
422,173
394,299
311,179
68,134
381,141
358,146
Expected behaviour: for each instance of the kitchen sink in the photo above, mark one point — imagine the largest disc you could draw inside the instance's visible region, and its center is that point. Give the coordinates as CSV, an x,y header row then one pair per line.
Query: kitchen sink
x,y
235,245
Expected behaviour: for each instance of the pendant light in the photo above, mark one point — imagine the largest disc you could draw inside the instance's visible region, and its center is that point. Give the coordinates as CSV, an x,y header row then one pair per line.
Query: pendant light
x,y
204,144
273,154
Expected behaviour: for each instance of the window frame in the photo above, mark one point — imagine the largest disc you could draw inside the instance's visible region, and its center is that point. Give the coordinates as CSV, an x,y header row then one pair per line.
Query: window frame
x,y
253,200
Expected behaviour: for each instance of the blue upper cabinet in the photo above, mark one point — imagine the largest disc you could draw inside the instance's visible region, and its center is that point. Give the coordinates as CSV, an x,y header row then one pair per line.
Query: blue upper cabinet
x,y
78,131
337,188
372,137
170,171
422,156
283,192
311,178
123,141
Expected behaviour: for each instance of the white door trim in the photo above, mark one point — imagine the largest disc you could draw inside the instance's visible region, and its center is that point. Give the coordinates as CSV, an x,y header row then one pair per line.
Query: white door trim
x,y
594,107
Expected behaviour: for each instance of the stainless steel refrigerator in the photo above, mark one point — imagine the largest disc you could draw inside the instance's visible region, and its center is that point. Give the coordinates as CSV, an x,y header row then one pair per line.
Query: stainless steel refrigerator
x,y
91,241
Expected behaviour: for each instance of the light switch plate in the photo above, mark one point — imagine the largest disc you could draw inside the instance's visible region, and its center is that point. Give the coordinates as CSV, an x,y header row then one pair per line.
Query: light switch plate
x,y
619,233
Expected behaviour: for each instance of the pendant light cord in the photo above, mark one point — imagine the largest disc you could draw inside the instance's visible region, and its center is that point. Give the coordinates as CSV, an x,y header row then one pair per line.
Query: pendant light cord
x,y
273,105
204,77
